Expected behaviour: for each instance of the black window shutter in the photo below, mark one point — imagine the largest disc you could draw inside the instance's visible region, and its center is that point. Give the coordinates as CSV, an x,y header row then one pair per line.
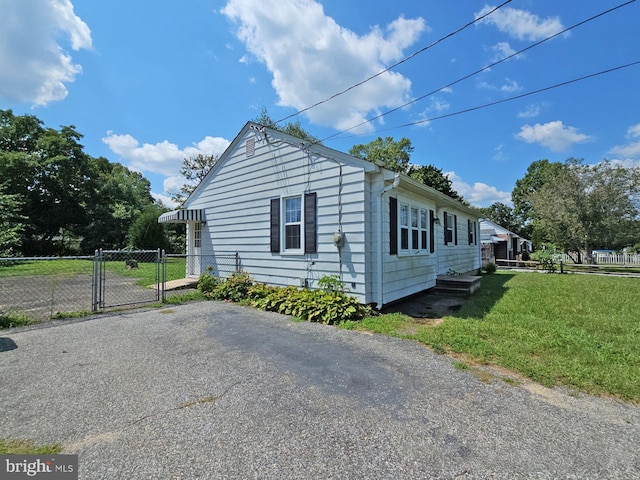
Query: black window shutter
x,y
275,225
455,229
310,244
475,233
446,228
470,231
393,226
432,231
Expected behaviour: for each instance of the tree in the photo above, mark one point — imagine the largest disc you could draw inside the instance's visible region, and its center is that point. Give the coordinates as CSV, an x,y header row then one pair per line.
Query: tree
x,y
291,128
434,178
193,169
10,224
64,194
505,216
538,174
146,233
120,197
395,155
588,206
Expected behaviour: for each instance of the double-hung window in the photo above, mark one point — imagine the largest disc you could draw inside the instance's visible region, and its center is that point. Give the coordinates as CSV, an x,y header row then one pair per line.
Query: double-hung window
x,y
413,229
292,223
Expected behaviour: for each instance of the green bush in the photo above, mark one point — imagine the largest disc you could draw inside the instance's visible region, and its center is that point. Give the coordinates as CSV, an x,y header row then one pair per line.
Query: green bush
x,y
328,306
207,283
490,268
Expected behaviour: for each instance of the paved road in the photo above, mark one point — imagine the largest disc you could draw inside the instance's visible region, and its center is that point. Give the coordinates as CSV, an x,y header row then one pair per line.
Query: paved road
x,y
212,390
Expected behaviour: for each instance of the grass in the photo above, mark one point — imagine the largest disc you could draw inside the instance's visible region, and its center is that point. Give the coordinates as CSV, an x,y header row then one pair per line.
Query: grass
x,y
580,331
25,447
145,273
14,319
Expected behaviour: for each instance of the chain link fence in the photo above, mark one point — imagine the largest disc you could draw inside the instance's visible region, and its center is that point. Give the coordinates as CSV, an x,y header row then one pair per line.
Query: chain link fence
x,y
44,287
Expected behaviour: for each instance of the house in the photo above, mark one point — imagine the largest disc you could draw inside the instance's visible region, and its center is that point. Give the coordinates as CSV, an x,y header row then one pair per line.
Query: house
x,y
295,212
498,243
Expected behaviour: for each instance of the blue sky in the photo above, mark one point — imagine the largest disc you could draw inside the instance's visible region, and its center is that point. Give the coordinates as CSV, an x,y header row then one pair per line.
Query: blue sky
x,y
148,83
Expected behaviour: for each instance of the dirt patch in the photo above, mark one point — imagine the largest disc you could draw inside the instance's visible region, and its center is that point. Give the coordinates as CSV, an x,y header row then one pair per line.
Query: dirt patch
x,y
427,308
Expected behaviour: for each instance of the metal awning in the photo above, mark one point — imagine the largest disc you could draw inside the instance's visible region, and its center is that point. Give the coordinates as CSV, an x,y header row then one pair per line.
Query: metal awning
x,y
182,216
492,239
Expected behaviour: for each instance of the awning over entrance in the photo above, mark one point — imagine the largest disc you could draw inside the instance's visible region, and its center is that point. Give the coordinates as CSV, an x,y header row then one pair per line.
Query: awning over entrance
x,y
182,216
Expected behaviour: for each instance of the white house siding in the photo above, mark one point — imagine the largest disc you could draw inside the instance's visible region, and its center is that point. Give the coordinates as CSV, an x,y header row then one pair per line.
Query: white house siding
x,y
406,273
463,258
236,198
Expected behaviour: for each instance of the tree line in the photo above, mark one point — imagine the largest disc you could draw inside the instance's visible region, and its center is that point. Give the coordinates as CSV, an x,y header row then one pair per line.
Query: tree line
x,y
574,206
55,199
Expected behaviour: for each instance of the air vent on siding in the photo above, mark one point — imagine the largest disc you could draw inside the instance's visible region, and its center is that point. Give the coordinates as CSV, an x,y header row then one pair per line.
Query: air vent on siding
x,y
251,147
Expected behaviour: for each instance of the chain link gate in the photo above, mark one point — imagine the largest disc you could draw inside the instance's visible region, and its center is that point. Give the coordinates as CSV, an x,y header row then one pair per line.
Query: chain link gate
x,y
115,285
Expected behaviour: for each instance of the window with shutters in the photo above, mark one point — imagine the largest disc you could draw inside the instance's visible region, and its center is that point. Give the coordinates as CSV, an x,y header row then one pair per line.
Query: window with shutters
x,y
293,224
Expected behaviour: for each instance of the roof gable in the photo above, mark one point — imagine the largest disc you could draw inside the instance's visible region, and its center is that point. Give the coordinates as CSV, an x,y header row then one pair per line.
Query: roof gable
x,y
274,135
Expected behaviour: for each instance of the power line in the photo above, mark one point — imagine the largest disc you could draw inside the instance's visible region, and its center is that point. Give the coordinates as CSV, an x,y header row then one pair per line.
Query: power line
x,y
394,65
504,100
519,52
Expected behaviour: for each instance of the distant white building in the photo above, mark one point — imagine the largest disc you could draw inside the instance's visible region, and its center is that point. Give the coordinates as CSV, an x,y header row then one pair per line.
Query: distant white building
x,y
498,243
295,212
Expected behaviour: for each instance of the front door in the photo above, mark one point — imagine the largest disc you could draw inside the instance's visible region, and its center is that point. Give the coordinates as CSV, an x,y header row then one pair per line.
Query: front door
x,y
194,250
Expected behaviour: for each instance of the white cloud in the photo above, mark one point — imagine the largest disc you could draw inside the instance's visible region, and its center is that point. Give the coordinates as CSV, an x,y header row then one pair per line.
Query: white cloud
x,y
164,199
633,131
163,157
311,57
503,50
499,154
521,24
530,112
35,65
630,150
479,194
553,135
510,86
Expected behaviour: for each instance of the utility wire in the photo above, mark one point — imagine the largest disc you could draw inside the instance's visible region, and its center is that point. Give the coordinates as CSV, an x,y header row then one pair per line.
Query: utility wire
x,y
394,65
480,70
504,100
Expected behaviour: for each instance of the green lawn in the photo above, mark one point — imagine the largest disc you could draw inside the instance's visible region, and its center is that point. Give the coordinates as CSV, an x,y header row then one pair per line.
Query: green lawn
x,y
24,447
145,273
581,331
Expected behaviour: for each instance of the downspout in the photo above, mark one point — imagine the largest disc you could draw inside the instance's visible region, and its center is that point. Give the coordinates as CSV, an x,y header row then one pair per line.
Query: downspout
x,y
396,181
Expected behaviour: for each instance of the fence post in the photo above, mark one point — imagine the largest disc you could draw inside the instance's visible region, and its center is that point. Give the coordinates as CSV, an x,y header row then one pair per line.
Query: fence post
x,y
94,283
561,267
163,256
237,263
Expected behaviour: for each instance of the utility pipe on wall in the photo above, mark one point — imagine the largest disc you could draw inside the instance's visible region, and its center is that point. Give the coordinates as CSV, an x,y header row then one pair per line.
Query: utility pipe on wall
x,y
396,181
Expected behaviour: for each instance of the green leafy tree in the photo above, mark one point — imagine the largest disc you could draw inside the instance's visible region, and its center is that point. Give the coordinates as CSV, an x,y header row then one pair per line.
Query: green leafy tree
x,y
395,155
146,233
10,224
68,201
538,174
588,206
505,216
120,197
291,128
193,169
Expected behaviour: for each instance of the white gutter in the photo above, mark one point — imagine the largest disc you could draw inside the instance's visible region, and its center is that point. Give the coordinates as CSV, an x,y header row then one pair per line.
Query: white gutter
x,y
396,181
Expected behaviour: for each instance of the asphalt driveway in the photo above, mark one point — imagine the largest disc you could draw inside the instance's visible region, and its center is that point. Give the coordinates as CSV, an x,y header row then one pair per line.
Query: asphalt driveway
x,y
213,390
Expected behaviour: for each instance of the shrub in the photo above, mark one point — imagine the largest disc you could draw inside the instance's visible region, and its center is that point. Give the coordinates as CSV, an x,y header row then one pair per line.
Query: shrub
x,y
490,268
207,283
331,283
328,306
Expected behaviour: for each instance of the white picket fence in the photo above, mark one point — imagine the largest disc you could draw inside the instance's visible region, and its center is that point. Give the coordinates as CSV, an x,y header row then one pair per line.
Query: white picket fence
x,y
608,259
